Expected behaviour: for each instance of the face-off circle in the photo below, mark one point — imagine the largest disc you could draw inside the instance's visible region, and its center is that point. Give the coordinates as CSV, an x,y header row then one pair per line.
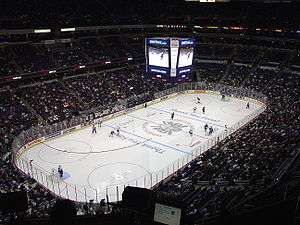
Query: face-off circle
x,y
76,150
115,174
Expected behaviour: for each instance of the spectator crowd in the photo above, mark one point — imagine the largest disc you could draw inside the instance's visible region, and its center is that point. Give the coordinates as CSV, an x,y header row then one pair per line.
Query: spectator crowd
x,y
239,166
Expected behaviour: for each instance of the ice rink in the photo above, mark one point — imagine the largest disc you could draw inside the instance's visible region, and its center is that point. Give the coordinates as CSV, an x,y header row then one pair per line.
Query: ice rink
x,y
150,146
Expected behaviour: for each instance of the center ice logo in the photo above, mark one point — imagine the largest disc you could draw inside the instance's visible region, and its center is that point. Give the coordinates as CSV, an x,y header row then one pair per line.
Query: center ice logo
x,y
169,127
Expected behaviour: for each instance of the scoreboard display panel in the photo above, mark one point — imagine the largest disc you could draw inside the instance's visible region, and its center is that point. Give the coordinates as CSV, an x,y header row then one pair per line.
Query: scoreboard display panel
x,y
169,57
185,57
158,57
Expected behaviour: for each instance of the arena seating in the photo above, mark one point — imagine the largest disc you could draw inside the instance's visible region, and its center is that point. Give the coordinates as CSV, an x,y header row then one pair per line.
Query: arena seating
x,y
222,174
260,78
210,72
253,46
223,52
29,58
222,177
236,74
185,184
271,59
247,55
14,117
295,63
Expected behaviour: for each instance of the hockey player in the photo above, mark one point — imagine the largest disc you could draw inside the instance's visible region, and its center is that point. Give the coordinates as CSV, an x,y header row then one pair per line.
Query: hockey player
x,y
211,130
112,133
118,132
198,100
161,56
30,163
205,127
100,123
248,105
194,109
191,132
172,115
203,110
94,129
60,172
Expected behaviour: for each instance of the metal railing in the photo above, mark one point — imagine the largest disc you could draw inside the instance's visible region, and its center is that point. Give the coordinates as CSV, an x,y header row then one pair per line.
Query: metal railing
x,y
38,134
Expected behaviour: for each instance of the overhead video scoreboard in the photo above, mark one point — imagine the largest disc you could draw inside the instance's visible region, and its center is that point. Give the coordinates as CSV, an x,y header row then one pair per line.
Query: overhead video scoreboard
x,y
169,58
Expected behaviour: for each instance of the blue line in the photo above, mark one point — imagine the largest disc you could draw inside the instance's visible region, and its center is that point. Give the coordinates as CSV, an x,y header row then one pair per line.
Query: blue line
x,y
142,119
206,118
150,140
186,113
185,116
170,147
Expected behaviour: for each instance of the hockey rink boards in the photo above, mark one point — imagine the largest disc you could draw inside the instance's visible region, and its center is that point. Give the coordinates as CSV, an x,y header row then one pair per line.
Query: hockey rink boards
x,y
150,146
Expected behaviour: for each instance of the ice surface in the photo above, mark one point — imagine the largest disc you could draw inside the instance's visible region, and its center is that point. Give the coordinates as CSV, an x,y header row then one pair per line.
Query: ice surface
x,y
149,147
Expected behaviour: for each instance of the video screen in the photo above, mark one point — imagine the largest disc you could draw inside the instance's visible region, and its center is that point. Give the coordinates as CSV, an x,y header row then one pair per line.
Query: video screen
x,y
158,57
185,57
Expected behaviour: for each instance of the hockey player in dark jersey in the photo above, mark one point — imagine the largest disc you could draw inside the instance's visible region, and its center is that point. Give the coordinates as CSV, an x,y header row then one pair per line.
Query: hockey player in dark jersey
x,y
172,115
